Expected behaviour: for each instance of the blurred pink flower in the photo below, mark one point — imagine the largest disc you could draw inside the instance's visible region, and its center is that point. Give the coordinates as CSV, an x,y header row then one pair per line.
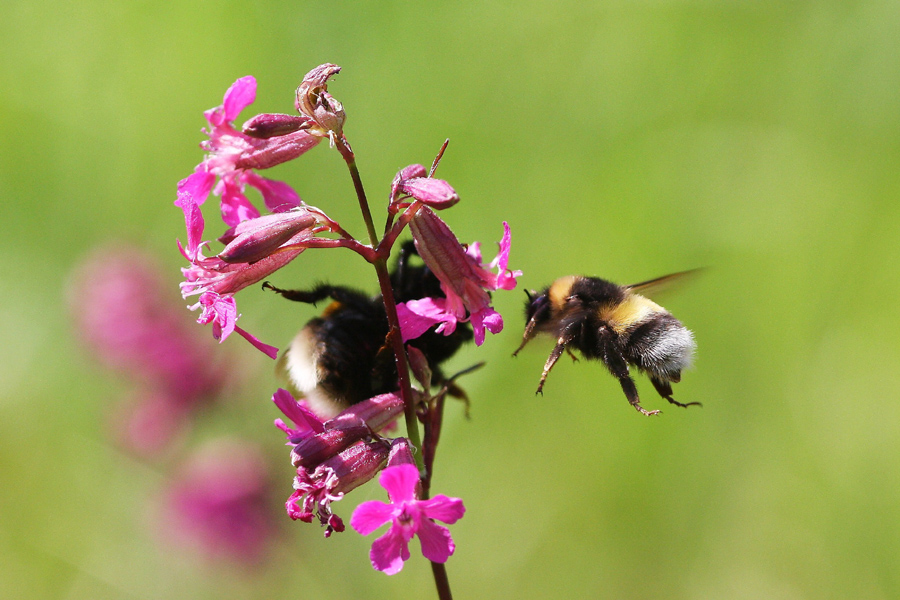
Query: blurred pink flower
x,y
218,503
122,311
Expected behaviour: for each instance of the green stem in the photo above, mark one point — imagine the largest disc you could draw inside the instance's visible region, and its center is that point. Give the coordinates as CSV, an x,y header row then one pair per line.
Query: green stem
x,y
344,148
390,307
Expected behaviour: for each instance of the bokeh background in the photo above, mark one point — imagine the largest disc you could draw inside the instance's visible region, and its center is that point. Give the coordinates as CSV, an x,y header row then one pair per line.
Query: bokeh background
x,y
760,140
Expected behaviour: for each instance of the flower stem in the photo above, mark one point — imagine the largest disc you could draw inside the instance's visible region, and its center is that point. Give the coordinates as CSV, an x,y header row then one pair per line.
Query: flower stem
x,y
344,148
396,339
390,306
441,581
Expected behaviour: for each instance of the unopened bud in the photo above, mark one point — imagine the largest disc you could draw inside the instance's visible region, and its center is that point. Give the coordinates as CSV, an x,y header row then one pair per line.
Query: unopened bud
x,y
318,448
435,193
357,464
375,412
269,125
255,239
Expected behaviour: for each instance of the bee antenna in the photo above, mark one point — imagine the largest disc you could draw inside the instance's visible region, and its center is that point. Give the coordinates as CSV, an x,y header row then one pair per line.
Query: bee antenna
x,y
530,294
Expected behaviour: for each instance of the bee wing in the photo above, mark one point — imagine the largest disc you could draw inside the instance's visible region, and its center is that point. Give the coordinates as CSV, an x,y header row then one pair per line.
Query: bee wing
x,y
661,283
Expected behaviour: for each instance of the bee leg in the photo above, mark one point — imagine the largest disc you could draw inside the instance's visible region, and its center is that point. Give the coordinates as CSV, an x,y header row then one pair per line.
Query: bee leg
x,y
572,355
665,390
561,344
317,294
632,394
529,328
619,368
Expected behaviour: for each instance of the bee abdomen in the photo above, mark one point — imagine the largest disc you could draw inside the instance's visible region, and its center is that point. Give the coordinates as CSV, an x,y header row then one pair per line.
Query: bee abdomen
x,y
661,346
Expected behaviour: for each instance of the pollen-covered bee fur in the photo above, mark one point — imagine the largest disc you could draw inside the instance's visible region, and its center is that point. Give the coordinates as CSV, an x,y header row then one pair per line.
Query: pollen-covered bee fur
x,y
616,325
343,356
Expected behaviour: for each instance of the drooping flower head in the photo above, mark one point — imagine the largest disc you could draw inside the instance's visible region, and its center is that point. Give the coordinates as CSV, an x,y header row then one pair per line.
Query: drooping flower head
x,y
314,102
256,244
408,517
465,281
316,488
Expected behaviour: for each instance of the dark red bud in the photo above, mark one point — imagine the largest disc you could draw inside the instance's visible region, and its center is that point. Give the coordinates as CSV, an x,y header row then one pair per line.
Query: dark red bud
x,y
269,125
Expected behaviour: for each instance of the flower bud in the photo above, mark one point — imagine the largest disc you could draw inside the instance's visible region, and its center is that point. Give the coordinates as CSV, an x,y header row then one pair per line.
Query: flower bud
x,y
400,453
318,448
255,239
435,193
269,125
418,364
375,412
445,256
357,464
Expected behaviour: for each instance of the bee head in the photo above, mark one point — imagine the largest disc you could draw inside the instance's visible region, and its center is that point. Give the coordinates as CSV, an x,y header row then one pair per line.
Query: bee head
x,y
536,306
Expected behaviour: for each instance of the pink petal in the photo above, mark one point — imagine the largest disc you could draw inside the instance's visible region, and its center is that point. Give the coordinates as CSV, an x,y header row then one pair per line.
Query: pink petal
x,y
506,279
277,195
418,316
371,515
389,552
442,508
235,205
197,185
239,96
400,482
437,545
486,317
270,351
302,417
192,192
474,250
436,193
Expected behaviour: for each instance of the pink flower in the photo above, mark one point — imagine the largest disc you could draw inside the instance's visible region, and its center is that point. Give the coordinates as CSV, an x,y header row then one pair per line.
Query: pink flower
x,y
256,248
465,281
306,423
316,489
219,503
130,323
232,155
408,517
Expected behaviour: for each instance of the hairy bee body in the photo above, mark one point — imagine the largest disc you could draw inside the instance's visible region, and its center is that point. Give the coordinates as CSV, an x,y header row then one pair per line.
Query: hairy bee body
x,y
615,325
343,357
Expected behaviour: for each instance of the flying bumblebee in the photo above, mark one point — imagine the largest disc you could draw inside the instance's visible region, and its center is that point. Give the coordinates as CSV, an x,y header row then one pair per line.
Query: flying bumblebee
x,y
615,325
342,357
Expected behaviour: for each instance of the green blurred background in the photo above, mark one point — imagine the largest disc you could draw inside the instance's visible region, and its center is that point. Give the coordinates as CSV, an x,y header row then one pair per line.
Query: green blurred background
x,y
626,140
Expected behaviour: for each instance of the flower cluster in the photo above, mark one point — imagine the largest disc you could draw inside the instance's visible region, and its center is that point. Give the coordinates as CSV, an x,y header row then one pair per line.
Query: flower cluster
x,y
256,245
334,456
